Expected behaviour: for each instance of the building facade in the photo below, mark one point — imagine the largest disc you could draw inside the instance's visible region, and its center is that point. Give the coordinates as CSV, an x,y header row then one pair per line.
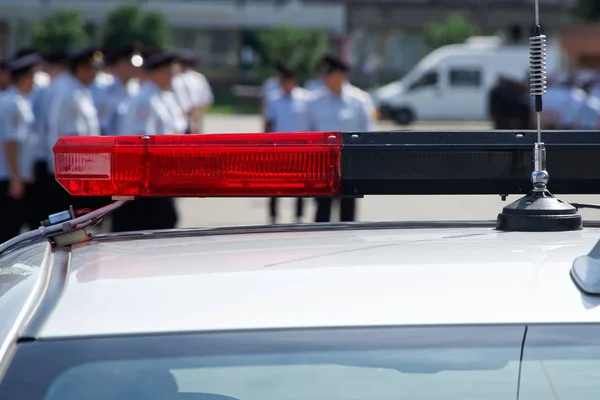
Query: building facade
x,y
211,27
383,38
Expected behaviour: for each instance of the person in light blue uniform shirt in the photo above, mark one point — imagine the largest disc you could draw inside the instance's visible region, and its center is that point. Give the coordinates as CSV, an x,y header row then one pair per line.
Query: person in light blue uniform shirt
x,y
41,79
16,158
110,96
558,94
339,107
72,113
565,99
286,111
192,91
587,116
148,113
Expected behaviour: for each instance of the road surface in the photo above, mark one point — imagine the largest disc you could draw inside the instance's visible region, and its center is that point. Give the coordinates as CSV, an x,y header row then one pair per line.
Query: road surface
x,y
224,212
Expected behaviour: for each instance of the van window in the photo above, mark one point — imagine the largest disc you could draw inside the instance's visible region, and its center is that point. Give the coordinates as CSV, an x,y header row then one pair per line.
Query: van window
x,y
427,79
461,77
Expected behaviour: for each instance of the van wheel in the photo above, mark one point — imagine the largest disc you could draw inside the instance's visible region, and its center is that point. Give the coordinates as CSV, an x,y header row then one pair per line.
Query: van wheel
x,y
404,116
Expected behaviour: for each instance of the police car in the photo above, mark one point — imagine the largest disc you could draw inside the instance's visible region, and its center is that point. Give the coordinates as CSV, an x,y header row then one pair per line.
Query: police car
x,y
407,310
457,310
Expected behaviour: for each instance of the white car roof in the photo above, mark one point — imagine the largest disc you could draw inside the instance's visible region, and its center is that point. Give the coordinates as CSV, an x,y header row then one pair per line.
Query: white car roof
x,y
351,277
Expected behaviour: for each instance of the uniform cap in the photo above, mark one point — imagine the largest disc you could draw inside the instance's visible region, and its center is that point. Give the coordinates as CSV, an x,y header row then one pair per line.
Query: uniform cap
x,y
159,60
92,55
331,64
24,63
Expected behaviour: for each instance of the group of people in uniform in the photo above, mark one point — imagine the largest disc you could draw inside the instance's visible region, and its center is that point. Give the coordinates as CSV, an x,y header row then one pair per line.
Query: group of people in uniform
x,y
140,91
327,103
88,92
572,102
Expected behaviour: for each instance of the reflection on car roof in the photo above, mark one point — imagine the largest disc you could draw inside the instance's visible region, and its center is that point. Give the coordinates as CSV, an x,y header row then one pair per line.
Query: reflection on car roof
x,y
317,279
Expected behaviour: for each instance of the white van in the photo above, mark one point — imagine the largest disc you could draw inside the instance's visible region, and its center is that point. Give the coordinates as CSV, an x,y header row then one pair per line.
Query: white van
x,y
453,82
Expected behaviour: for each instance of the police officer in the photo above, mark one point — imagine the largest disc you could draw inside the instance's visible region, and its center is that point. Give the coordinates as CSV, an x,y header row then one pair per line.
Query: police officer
x,y
110,96
286,111
148,114
38,209
16,163
192,86
339,107
150,111
179,119
317,84
41,78
182,92
72,113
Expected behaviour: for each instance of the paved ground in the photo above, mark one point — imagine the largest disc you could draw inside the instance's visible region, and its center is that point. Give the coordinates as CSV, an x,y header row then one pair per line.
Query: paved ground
x,y
213,212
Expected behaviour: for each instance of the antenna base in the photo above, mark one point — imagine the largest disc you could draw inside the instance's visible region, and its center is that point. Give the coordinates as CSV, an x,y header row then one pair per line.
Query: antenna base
x,y
539,211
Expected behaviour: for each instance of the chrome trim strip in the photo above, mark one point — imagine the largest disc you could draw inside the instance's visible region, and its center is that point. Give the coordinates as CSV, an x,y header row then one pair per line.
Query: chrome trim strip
x,y
35,299
56,284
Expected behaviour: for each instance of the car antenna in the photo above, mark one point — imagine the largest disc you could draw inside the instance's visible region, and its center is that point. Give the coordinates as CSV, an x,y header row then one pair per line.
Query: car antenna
x,y
539,210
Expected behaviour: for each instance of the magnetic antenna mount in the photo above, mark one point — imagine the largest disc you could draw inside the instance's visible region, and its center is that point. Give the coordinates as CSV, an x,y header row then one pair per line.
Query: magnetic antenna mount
x,y
539,210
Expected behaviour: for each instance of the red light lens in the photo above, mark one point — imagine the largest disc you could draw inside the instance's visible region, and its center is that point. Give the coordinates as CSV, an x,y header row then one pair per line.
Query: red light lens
x,y
217,165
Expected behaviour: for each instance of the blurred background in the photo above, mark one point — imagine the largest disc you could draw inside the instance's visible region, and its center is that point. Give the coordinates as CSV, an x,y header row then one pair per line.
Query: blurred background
x,y
236,39
398,50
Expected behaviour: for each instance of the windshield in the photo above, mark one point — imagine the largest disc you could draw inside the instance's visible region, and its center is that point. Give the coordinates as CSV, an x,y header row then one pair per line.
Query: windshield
x,y
382,363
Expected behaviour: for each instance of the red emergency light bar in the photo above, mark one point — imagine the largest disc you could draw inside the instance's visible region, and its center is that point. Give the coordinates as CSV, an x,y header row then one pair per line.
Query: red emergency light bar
x,y
352,164
212,165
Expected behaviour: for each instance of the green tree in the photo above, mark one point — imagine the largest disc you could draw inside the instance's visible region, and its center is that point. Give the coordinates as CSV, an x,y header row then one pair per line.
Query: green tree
x,y
455,29
154,30
587,10
298,49
121,26
129,23
64,30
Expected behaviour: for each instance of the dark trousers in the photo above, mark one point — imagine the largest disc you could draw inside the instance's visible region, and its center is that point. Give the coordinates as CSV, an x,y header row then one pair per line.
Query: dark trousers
x,y
347,209
38,201
145,214
273,201
12,213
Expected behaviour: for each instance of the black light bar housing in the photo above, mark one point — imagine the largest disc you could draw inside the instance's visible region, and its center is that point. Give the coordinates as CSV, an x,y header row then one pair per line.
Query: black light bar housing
x,y
467,163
